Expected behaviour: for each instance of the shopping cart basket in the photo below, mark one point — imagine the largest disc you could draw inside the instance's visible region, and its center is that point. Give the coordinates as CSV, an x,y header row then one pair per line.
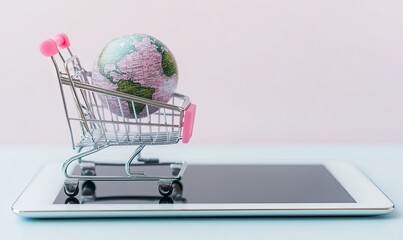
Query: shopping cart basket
x,y
98,128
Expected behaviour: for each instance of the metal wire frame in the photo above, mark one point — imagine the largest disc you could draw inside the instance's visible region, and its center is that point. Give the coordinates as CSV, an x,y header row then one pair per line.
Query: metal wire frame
x,y
162,127
100,130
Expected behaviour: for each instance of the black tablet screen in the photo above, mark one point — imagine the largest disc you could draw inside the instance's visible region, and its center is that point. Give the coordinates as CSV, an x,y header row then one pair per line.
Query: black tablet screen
x,y
218,184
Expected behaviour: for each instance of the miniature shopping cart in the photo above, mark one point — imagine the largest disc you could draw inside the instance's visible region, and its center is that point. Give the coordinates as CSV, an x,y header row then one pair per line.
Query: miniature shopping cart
x,y
98,128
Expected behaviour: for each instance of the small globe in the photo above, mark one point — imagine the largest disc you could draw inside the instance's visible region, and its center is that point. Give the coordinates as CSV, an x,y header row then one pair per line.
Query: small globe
x,y
136,64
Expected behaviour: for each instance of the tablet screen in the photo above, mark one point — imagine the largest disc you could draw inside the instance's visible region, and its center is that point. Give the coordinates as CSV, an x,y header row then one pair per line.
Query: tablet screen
x,y
218,184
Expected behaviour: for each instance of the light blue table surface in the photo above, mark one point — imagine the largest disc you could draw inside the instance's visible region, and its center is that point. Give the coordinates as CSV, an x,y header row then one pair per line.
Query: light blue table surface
x,y
382,163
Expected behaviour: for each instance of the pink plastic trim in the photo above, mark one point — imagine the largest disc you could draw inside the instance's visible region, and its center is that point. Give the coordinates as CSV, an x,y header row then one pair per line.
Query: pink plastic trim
x,y
62,40
48,48
188,123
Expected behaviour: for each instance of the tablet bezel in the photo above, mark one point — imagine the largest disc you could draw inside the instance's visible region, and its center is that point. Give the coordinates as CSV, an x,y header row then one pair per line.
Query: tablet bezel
x,y
37,199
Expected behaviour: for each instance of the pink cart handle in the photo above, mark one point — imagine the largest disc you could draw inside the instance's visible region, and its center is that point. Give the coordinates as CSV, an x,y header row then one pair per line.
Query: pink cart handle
x,y
62,40
188,123
48,48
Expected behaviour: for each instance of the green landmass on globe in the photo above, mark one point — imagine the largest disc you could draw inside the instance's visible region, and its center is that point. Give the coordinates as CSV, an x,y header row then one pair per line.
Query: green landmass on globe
x,y
136,64
168,64
133,88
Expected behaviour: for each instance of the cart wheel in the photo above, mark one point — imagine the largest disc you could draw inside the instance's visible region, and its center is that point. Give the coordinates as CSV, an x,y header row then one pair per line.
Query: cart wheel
x,y
71,200
71,188
177,189
166,200
88,172
88,169
165,188
88,188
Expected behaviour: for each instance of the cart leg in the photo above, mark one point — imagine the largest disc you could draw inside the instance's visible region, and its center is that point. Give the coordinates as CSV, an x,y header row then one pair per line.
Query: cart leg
x,y
71,183
129,162
78,150
78,156
87,167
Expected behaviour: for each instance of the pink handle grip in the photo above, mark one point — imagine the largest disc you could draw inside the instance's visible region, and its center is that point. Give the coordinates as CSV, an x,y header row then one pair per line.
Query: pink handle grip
x,y
48,48
62,40
188,123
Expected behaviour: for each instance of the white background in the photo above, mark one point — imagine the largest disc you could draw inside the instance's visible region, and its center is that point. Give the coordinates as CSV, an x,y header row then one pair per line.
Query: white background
x,y
259,71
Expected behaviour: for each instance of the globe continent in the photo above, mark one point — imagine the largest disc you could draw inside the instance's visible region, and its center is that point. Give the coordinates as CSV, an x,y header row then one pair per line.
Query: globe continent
x,y
136,64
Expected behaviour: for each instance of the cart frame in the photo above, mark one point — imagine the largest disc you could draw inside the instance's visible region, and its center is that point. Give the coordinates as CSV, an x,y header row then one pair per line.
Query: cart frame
x,y
99,130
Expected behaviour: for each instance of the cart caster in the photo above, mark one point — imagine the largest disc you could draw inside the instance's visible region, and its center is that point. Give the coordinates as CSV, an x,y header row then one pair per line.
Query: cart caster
x,y
175,169
88,169
165,188
71,188
177,189
166,200
88,188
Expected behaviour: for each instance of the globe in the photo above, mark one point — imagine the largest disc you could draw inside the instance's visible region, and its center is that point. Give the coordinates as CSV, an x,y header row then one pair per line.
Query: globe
x,y
136,64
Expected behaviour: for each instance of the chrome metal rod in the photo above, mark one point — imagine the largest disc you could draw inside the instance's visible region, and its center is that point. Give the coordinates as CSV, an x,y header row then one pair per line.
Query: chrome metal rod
x,y
78,156
128,97
129,162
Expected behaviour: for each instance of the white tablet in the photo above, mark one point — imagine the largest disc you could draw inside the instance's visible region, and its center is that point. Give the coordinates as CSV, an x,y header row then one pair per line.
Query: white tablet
x,y
327,189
